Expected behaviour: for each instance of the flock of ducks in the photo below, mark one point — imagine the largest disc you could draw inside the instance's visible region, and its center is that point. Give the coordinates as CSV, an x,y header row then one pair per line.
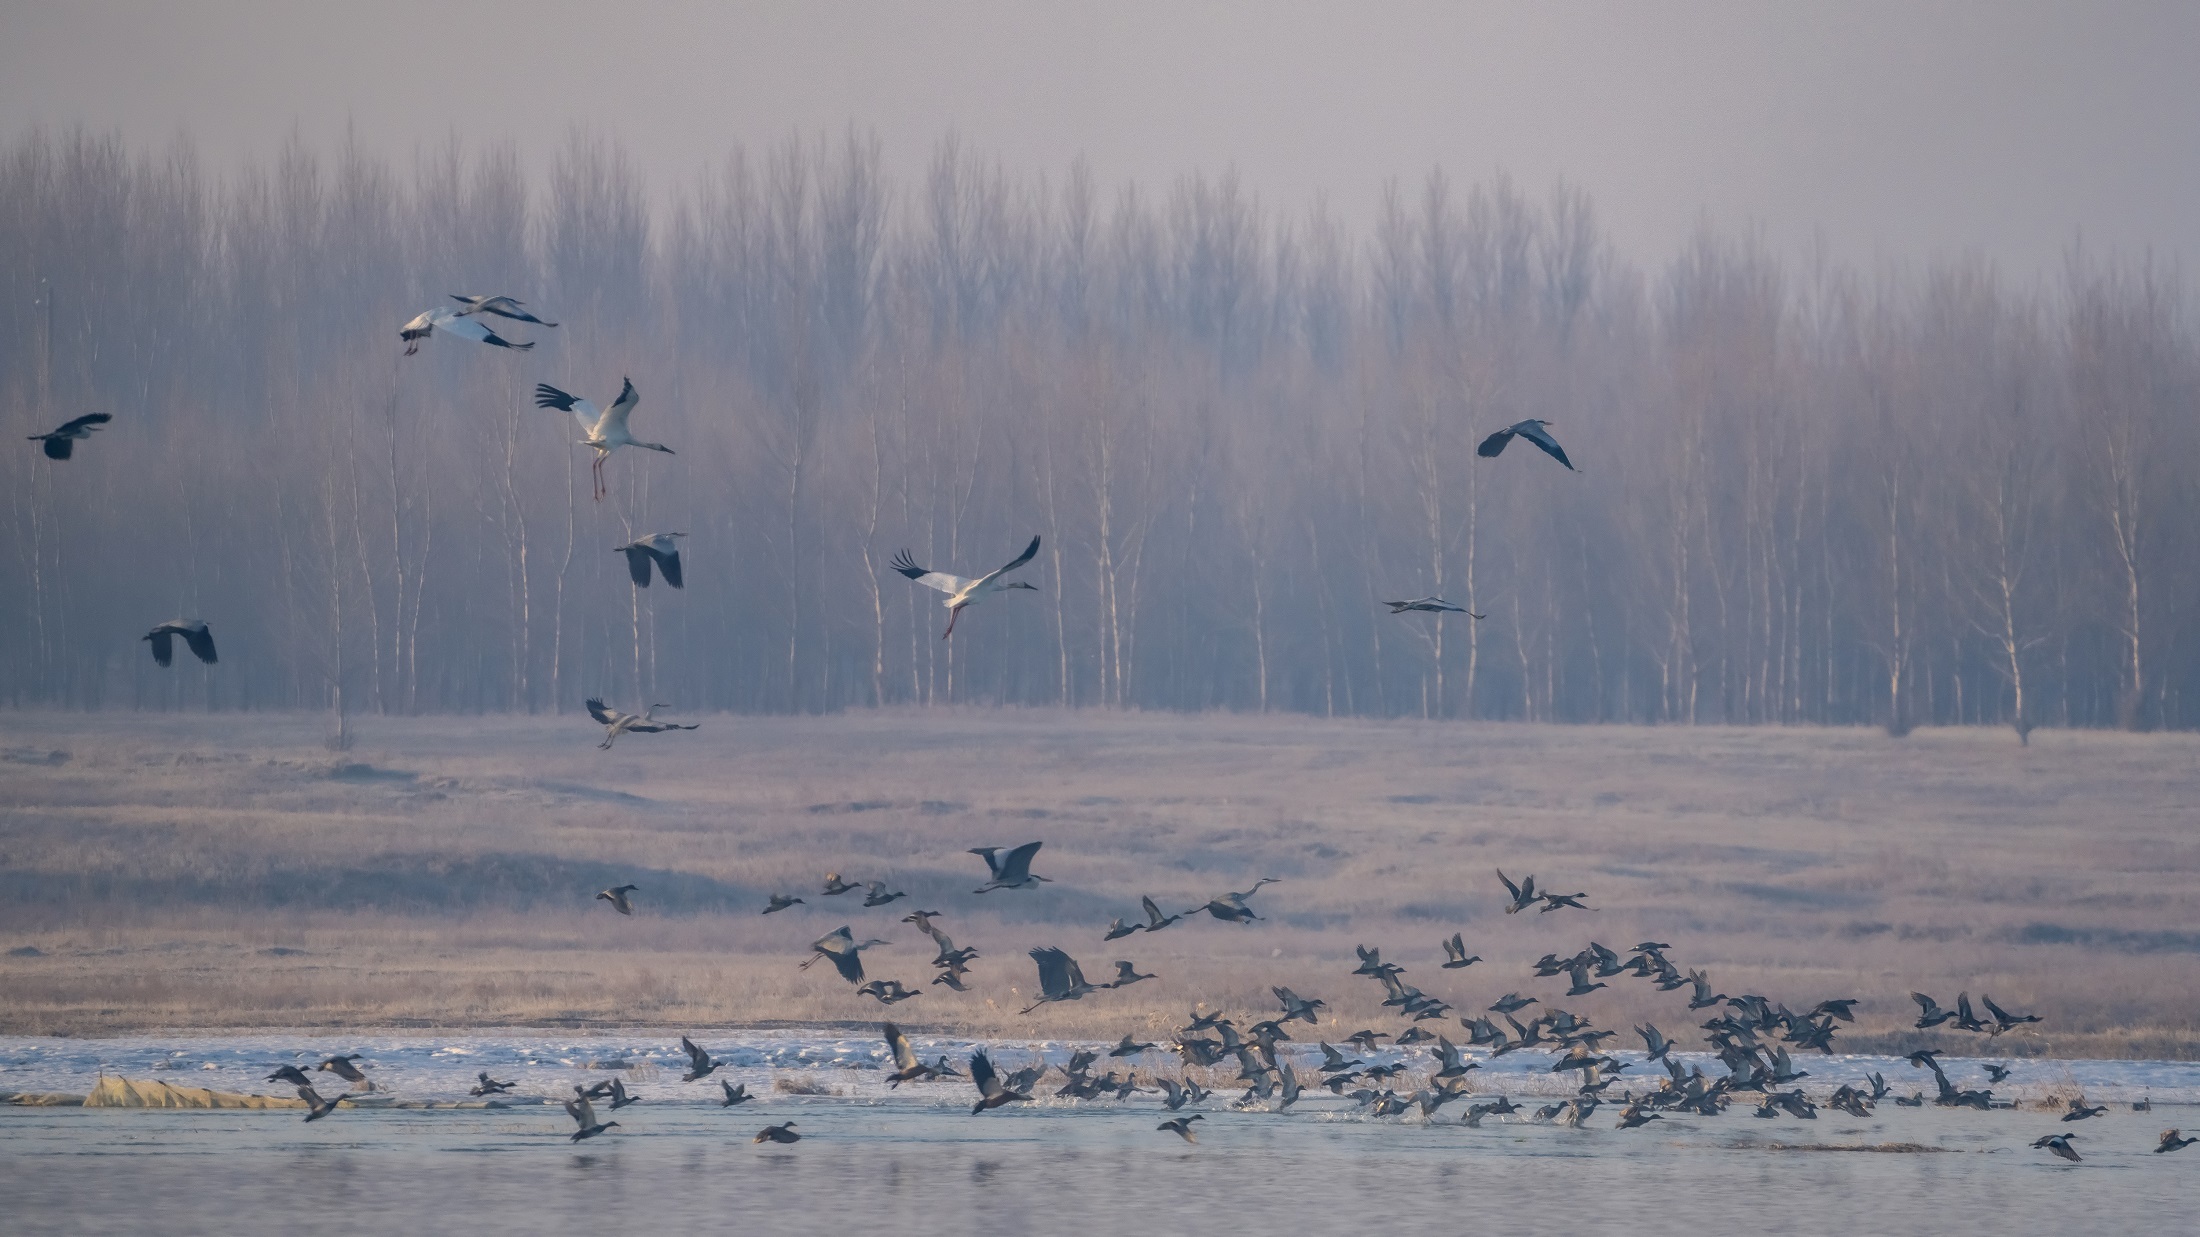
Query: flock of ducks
x,y
607,429
1752,1036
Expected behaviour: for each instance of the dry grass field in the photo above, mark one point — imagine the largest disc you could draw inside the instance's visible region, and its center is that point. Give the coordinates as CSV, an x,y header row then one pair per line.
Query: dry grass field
x,y
228,871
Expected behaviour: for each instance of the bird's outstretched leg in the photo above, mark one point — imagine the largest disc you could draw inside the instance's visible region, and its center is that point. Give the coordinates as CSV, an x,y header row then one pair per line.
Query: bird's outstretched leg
x,y
952,615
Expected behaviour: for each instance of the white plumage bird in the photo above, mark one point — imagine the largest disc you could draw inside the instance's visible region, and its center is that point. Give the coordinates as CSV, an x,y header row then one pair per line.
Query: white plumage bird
x,y
462,322
961,593
604,430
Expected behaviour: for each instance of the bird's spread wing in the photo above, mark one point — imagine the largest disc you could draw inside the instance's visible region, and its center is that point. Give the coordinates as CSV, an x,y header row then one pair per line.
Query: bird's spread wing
x,y
668,563
1542,438
501,306
478,331
927,577
584,411
905,1058
202,643
981,1073
603,715
622,407
637,564
1029,552
92,418
164,650
1494,444
1018,864
1053,970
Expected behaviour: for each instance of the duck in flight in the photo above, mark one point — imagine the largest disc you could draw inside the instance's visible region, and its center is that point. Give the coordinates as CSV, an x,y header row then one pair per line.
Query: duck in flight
x,y
961,593
1430,605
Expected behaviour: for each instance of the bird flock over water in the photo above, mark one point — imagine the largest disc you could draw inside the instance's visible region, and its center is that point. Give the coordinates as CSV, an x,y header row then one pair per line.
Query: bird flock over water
x,y
1749,1034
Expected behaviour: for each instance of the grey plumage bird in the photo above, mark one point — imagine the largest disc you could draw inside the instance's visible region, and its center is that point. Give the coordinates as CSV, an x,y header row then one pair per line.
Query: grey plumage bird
x,y
661,549
1060,978
617,897
343,1068
291,1074
2060,1145
61,443
1533,429
992,1091
781,902
584,1119
316,1107
841,948
1430,605
616,723
1182,1127
735,1093
699,1063
1455,953
196,637
1231,907
1010,871
777,1134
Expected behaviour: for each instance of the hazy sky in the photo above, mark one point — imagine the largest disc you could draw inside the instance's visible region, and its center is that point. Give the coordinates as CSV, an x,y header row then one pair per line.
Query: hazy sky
x,y
1904,130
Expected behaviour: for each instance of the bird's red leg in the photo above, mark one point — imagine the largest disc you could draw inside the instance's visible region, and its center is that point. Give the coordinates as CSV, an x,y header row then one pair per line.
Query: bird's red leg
x,y
952,615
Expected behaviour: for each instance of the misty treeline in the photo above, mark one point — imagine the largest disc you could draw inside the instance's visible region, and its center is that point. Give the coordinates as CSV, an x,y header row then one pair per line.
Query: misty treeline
x,y
1808,494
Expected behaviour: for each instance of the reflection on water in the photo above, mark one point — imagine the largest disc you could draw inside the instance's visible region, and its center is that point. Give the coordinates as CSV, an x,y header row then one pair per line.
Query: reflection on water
x,y
920,1166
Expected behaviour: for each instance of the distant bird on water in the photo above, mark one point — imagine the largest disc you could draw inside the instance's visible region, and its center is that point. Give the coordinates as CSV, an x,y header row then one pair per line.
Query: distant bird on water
x,y
616,896
195,635
615,723
61,443
961,593
662,549
1531,429
1010,872
605,430
1430,605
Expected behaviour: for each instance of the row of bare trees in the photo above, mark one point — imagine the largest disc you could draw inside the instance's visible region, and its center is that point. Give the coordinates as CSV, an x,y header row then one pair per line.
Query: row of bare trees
x,y
1808,494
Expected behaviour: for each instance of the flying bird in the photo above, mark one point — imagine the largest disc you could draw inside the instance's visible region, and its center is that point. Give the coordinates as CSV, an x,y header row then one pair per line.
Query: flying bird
x,y
1060,978
1430,605
992,1093
879,895
604,430
290,1074
489,1086
781,902
1182,1127
1523,894
699,1063
616,896
584,1117
616,723
61,443
316,1107
1455,950
1155,920
2171,1142
2060,1145
906,1066
457,322
961,593
1231,908
840,947
777,1134
195,637
1012,872
343,1068
1531,429
886,991
660,548
735,1094
501,306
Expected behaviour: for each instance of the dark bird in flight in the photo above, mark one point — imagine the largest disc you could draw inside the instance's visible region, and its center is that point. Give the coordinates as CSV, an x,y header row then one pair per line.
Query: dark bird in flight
x,y
343,1068
991,1092
1155,920
1182,1127
1125,976
777,1134
1012,871
1996,1073
61,443
834,886
1555,901
1455,951
1430,605
1531,429
584,1116
1128,1048
490,1086
316,1107
619,1097
291,1074
1523,894
699,1063
2003,1019
616,896
886,991
195,637
781,902
2060,1145
1060,978
1230,907
1930,1014
906,1066
2171,1142
660,548
878,895
734,1094
961,593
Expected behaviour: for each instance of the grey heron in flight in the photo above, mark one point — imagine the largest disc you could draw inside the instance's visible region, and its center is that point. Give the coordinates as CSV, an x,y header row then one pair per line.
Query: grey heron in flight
x,y
1012,871
1531,429
662,549
962,593
616,723
61,443
195,635
604,430
1430,605
1060,978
